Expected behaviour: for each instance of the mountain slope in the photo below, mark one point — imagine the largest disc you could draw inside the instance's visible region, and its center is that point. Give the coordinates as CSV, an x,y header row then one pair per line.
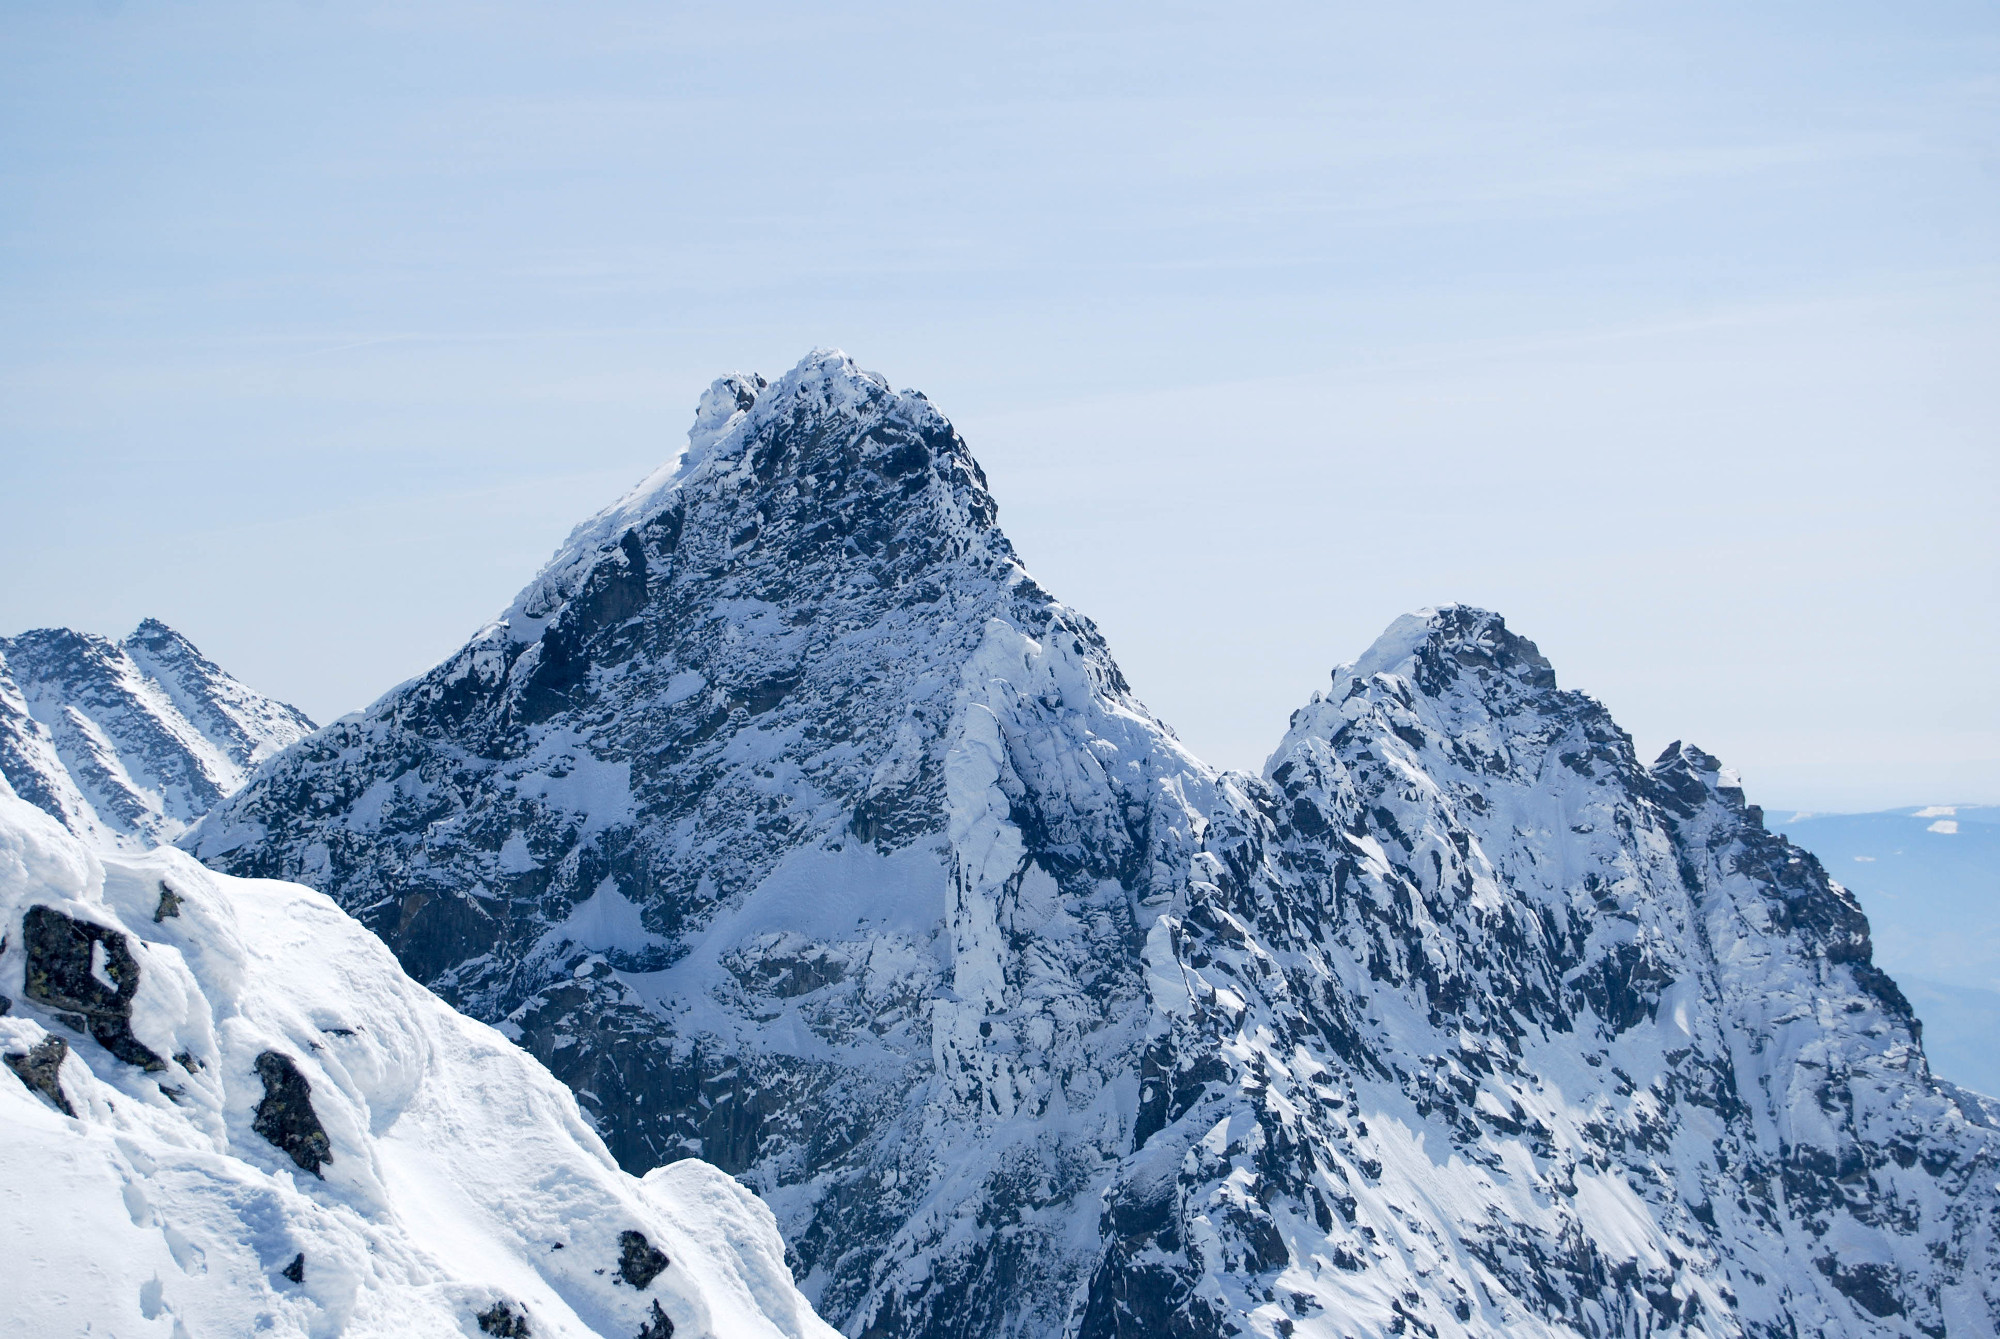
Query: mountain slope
x,y
231,1113
127,743
1929,878
1533,1039
788,820
793,825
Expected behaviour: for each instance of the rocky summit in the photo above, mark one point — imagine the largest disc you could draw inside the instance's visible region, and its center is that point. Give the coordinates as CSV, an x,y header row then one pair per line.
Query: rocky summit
x,y
794,826
127,743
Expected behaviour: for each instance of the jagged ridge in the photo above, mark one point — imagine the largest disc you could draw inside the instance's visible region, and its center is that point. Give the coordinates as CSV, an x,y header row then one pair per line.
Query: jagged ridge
x,y
127,743
791,823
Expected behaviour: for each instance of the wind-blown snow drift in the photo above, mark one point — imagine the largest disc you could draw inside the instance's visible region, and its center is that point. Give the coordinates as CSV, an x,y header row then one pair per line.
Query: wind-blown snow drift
x,y
230,1113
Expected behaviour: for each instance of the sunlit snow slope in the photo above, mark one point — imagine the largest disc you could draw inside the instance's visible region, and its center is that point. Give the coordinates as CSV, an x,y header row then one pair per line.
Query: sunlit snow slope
x,y
226,1111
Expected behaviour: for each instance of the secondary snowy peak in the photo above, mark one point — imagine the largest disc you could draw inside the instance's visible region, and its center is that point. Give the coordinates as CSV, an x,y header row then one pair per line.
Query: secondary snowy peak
x,y
246,725
1679,1095
794,826
127,743
229,1112
1453,651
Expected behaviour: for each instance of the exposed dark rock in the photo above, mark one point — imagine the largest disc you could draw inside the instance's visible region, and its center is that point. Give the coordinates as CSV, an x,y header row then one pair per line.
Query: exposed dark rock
x,y
656,1326
286,1117
504,1322
40,1067
296,1270
639,1261
170,904
61,955
1872,1287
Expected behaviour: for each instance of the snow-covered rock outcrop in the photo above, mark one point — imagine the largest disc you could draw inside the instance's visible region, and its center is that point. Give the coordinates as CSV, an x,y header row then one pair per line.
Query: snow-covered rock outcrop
x,y
227,1111
127,743
794,826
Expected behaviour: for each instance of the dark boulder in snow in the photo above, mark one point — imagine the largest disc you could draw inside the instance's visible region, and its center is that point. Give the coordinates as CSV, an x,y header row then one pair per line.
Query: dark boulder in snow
x,y
502,1321
639,1261
657,1326
87,972
285,1116
170,904
41,1069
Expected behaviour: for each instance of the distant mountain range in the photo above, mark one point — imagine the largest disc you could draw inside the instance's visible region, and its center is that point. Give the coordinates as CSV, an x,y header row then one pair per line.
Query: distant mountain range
x,y
793,825
127,743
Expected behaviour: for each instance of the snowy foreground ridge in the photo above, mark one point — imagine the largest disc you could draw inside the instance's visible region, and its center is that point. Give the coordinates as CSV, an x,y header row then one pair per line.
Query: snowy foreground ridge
x,y
231,1113
794,826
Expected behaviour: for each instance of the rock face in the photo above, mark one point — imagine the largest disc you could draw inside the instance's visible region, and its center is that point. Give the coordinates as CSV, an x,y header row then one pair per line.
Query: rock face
x,y
40,1068
793,825
1532,1038
86,974
127,743
286,1117
450,1175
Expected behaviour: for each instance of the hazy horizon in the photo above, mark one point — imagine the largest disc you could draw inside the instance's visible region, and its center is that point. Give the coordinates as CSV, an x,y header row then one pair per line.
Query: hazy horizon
x,y
1669,337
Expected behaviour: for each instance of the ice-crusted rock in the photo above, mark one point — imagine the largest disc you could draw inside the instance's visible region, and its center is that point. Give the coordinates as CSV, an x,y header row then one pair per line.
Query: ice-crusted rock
x,y
793,825
127,743
462,1176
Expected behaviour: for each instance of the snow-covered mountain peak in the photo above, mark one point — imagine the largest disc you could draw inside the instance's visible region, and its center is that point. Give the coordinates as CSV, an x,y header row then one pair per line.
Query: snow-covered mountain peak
x,y
247,725
824,382
1434,646
1456,680
126,743
791,823
828,442
1679,764
43,654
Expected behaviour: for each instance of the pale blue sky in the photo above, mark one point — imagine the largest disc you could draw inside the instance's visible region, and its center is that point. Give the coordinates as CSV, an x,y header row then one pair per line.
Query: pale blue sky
x,y
1669,331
